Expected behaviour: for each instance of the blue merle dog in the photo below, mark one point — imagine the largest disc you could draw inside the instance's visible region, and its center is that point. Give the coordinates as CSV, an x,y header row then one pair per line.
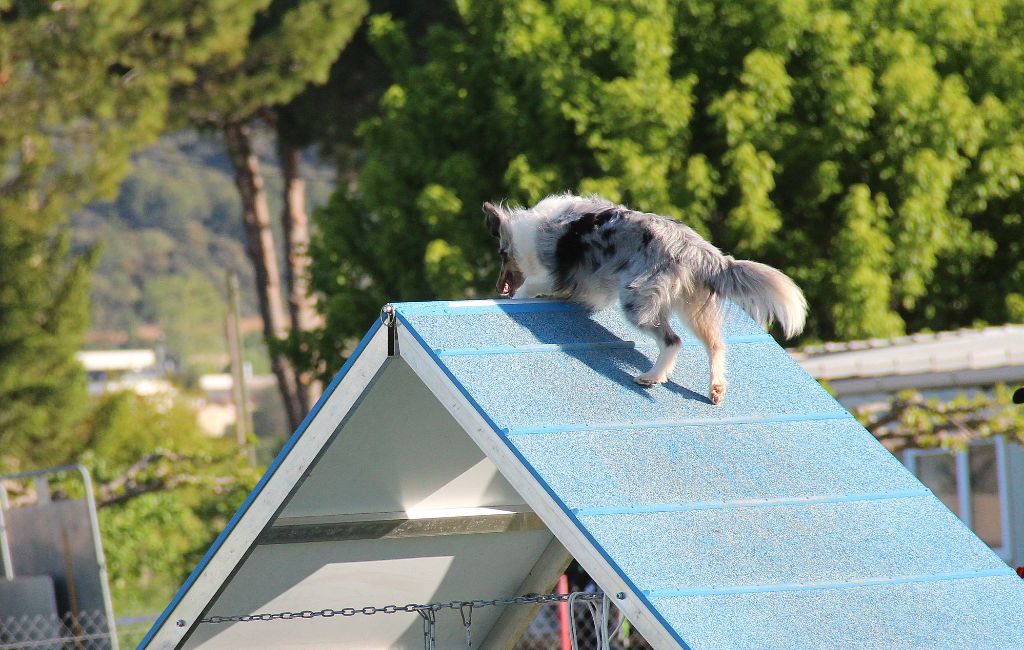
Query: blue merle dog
x,y
594,252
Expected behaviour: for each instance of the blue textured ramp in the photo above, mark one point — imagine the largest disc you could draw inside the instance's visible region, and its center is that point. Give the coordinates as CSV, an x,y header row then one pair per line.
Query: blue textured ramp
x,y
974,613
773,520
711,463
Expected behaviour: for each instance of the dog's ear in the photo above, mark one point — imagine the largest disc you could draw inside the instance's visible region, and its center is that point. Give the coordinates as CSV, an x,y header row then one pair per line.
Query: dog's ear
x,y
493,216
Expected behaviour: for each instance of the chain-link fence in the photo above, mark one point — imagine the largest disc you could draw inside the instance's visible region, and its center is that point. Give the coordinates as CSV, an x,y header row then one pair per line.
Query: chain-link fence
x,y
547,631
86,631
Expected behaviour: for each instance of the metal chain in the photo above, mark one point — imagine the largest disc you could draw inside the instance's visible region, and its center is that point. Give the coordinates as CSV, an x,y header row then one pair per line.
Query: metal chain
x,y
466,611
599,617
429,617
413,608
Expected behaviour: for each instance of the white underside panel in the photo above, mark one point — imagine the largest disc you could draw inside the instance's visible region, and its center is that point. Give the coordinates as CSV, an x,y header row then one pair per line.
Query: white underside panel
x,y
401,507
400,451
336,575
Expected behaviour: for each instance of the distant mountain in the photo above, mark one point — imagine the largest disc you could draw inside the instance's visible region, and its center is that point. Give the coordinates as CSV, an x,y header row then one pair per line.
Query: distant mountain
x,y
168,241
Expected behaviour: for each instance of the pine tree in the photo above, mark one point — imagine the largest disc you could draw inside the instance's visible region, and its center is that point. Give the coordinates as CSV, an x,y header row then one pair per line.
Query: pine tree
x,y
82,84
291,44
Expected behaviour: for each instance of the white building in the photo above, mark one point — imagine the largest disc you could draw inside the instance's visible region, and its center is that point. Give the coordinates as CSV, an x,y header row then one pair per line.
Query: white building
x,y
217,411
140,371
985,484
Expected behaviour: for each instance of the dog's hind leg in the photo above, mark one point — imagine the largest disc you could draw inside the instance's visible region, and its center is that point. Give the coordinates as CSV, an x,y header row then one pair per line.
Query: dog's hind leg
x,y
653,321
705,318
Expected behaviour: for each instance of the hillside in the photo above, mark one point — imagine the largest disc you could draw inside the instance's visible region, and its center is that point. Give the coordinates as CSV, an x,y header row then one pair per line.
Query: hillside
x,y
167,242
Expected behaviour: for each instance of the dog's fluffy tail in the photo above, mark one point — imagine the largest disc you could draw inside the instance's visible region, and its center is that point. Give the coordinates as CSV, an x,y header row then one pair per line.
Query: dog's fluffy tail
x,y
763,292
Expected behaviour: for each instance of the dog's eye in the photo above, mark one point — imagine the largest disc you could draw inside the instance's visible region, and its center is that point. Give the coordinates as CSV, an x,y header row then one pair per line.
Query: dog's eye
x,y
504,256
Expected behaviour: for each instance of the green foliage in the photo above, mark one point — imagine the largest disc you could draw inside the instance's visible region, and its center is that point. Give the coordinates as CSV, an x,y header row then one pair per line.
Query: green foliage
x,y
152,541
151,544
81,85
43,308
911,420
327,114
864,253
123,427
192,312
279,49
872,150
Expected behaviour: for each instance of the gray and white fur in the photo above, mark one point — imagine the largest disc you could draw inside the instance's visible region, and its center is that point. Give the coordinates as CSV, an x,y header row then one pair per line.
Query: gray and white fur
x,y
594,252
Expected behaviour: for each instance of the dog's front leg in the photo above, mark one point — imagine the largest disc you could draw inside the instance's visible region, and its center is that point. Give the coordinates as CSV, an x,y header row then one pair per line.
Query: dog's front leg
x,y
531,288
523,292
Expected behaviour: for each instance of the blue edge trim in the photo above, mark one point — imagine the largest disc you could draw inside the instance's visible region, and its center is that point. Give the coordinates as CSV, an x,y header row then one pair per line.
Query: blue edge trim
x,y
259,487
540,481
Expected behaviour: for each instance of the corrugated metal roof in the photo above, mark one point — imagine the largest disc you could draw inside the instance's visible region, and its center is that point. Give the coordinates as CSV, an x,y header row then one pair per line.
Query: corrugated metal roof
x,y
954,359
774,520
964,349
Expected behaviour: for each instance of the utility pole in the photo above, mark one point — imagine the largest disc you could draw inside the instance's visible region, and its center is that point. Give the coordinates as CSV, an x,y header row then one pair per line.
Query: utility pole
x,y
239,391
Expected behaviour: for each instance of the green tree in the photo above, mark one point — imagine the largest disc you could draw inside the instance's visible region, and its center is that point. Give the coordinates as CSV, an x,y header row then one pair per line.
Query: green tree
x,y
43,314
869,149
326,115
81,85
164,491
287,45
191,311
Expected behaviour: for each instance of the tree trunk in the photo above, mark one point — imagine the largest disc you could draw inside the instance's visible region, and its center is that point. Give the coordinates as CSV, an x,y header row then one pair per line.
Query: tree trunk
x,y
301,304
260,248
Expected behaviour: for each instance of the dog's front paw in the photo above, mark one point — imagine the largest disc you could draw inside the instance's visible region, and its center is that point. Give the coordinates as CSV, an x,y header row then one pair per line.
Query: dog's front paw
x,y
523,293
717,393
650,379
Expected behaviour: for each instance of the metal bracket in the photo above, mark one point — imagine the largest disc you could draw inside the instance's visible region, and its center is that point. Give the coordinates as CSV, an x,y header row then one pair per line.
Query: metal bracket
x,y
388,318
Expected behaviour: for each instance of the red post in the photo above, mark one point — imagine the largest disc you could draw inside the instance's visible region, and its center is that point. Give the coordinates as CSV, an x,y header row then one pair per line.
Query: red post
x,y
563,613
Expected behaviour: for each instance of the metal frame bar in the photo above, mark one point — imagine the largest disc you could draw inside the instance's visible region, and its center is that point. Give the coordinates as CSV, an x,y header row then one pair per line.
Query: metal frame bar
x,y
963,488
297,530
5,548
1003,481
94,526
962,470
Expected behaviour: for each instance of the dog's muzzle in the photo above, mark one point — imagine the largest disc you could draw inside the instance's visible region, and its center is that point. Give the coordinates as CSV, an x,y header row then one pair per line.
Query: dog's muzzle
x,y
509,280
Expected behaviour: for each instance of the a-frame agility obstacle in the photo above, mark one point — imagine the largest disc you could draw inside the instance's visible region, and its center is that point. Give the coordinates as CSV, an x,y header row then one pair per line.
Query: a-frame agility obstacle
x,y
467,449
